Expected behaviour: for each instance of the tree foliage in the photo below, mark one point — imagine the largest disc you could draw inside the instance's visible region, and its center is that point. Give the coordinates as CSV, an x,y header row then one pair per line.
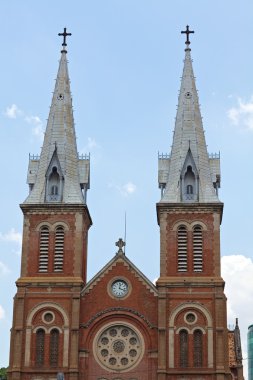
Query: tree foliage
x,y
3,373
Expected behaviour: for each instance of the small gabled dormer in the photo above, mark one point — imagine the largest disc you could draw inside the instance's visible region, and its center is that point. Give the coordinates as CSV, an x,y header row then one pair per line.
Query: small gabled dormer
x,y
54,180
189,180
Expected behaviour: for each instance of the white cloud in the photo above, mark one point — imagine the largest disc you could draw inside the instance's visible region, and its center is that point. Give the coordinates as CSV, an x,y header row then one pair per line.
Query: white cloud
x,y
128,189
12,112
2,312
12,236
237,271
37,124
3,269
242,114
91,145
125,190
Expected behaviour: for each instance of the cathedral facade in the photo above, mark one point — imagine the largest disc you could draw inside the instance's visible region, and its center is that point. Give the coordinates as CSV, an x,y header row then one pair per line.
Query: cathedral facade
x,y
119,325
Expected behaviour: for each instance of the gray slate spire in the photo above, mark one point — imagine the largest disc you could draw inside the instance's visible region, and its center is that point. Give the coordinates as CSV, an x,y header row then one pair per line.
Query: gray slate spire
x,y
58,175
189,174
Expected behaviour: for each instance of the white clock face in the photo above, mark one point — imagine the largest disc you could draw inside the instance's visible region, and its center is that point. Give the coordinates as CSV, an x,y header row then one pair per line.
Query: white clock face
x,y
119,288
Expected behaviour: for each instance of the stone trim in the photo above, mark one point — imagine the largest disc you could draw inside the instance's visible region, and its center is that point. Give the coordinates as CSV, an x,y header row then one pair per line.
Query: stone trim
x,y
189,226
209,328
29,330
113,309
52,227
117,326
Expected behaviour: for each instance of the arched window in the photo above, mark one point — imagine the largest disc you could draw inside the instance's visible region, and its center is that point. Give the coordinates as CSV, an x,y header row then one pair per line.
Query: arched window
x,y
59,249
197,249
40,347
53,184
183,347
54,348
189,180
198,348
44,245
182,249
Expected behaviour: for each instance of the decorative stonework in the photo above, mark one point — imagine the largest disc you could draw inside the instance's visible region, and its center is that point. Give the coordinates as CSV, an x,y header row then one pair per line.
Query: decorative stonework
x,y
118,347
190,317
48,317
113,309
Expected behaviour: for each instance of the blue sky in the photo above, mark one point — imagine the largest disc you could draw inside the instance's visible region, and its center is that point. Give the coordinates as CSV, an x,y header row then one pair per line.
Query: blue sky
x,y
125,62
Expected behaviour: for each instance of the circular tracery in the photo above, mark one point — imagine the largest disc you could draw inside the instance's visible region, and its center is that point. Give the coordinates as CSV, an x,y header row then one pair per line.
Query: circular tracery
x,y
118,347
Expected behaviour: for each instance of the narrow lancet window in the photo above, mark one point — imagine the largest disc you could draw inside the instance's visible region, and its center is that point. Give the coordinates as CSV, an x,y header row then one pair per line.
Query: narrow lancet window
x,y
198,348
59,249
189,189
54,190
182,249
44,245
189,181
183,346
54,182
54,348
40,347
197,249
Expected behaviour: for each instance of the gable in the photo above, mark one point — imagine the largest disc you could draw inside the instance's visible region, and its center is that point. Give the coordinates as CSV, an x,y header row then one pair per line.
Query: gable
x,y
122,260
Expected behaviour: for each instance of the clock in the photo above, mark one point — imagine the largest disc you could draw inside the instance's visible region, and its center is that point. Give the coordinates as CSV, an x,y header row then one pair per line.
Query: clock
x,y
119,288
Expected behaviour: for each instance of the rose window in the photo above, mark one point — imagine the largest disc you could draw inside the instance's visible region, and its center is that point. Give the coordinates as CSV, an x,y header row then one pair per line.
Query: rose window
x,y
118,347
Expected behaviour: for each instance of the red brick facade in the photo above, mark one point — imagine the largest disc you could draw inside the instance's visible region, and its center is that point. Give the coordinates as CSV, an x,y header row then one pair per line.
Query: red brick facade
x,y
183,306
120,326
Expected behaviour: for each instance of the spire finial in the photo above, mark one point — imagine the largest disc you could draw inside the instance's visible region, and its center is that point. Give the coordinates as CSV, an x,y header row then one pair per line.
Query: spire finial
x,y
187,32
120,244
64,44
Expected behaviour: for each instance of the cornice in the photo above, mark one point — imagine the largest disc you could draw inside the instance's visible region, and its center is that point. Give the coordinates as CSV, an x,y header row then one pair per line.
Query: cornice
x,y
185,208
55,208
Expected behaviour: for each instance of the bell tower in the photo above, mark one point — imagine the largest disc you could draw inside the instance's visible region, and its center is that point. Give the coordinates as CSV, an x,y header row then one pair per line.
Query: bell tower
x,y
193,342
45,331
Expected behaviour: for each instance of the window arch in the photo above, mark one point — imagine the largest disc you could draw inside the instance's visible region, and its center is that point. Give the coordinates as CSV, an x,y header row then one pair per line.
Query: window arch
x,y
54,347
183,347
197,348
40,347
197,249
58,249
44,245
182,249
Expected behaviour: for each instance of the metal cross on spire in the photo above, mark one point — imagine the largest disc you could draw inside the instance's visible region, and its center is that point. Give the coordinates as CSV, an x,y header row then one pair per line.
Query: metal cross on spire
x,y
64,34
187,32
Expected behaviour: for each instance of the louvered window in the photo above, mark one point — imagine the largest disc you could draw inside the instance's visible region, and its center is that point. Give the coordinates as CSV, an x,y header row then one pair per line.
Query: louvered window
x,y
40,347
182,249
197,249
59,249
54,347
44,244
198,348
183,344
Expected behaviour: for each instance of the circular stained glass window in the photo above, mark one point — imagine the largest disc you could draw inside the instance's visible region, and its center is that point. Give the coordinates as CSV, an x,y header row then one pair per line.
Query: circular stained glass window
x,y
190,317
48,317
118,347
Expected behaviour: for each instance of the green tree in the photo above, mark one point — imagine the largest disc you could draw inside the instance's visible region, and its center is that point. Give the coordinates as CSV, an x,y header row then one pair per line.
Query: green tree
x,y
3,373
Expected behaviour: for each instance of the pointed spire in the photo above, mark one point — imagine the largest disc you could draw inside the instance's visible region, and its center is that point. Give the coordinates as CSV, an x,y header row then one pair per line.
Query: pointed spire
x,y
59,160
188,136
